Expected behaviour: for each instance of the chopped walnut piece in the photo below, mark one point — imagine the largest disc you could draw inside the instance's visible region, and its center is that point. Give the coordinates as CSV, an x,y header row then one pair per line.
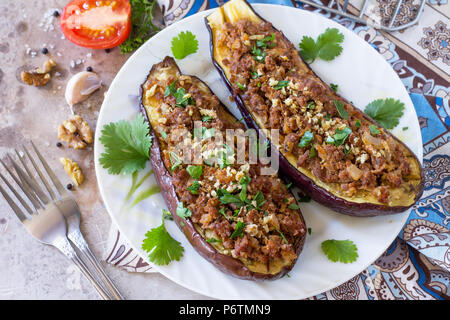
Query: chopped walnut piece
x,y
76,132
39,76
73,170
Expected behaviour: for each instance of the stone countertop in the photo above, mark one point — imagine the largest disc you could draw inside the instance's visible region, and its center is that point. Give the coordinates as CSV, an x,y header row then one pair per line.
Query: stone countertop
x,y
28,269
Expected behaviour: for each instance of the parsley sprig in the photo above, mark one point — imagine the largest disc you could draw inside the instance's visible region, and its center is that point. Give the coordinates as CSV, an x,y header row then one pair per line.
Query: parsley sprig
x,y
340,250
127,146
184,44
326,47
160,246
386,112
183,99
142,27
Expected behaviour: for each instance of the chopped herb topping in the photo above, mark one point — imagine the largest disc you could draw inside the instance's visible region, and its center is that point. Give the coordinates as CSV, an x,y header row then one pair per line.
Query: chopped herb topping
x,y
281,84
175,160
182,211
238,230
374,129
193,188
195,171
341,109
240,86
306,139
341,135
334,87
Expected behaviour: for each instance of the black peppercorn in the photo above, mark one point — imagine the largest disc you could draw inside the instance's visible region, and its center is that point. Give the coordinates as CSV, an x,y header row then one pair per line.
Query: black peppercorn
x,y
69,186
44,50
59,144
89,69
56,13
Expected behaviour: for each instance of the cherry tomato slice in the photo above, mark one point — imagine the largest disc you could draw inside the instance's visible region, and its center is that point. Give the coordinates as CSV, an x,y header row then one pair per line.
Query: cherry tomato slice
x,y
96,24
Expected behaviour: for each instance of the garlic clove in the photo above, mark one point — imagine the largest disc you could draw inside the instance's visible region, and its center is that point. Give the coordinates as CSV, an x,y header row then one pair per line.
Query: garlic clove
x,y
81,85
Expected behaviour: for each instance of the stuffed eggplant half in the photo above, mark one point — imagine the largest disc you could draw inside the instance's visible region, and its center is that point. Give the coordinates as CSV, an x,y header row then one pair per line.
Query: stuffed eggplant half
x,y
245,223
331,150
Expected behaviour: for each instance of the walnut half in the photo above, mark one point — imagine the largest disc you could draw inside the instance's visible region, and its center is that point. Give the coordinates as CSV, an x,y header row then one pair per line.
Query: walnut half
x,y
73,170
76,132
39,76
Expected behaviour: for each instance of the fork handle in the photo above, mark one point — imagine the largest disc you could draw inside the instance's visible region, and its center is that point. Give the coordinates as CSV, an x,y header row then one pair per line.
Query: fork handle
x,y
101,291
99,268
64,246
78,240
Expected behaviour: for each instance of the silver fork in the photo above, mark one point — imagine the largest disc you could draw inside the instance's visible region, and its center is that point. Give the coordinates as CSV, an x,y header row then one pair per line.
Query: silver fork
x,y
45,223
53,220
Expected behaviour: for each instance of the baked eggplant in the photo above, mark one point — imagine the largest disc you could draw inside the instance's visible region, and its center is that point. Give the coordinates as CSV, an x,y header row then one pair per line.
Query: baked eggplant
x,y
332,151
245,223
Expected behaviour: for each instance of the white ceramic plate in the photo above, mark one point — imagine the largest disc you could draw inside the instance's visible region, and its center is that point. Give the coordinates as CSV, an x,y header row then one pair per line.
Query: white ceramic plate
x,y
362,75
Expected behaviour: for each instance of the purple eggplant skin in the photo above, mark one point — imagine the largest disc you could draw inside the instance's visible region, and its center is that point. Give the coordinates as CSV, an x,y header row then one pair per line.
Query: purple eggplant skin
x,y
308,186
224,263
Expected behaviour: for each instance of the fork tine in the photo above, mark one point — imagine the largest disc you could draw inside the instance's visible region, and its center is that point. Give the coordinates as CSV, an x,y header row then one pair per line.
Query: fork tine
x,y
13,206
44,181
17,195
50,173
24,188
30,181
23,163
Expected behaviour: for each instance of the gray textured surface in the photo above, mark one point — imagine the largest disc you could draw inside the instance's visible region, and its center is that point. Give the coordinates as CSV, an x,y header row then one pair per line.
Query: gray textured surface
x,y
28,269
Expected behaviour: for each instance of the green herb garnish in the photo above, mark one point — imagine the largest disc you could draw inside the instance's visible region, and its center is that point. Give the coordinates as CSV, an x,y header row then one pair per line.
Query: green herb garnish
x,y
175,160
306,139
238,230
340,250
160,246
126,145
341,109
334,87
327,47
142,27
281,84
341,135
184,44
374,129
386,112
182,211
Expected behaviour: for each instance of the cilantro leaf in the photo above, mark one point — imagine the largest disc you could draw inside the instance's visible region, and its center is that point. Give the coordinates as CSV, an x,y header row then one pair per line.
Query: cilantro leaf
x,y
341,109
142,27
127,146
182,211
184,44
281,84
195,171
193,188
238,230
340,250
386,112
175,160
306,139
308,49
334,87
293,206
327,47
340,136
374,129
162,248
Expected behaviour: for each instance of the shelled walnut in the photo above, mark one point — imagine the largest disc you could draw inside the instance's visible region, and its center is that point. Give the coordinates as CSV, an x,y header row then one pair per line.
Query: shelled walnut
x,y
73,170
39,76
76,132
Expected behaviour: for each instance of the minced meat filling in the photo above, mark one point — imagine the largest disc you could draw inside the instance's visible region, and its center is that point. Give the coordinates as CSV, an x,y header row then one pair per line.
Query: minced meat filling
x,y
252,217
324,133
